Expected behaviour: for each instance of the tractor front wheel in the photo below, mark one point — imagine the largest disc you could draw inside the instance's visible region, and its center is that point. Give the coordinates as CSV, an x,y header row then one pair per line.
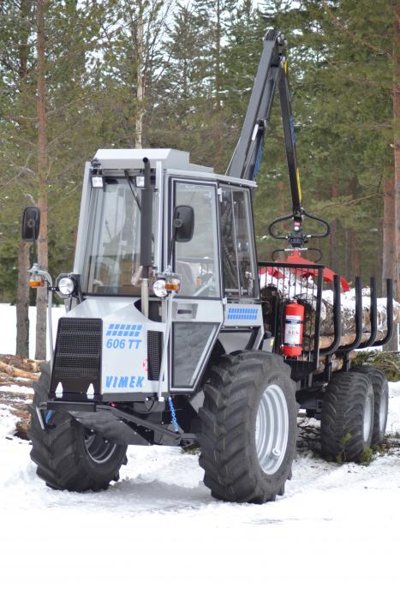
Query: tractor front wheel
x,y
68,455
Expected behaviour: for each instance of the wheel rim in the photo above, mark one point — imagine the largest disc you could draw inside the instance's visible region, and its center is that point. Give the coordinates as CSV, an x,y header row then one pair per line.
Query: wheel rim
x,y
368,415
272,429
98,449
383,410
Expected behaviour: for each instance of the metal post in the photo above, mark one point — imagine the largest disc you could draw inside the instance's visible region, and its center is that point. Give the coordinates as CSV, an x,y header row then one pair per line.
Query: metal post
x,y
168,325
146,236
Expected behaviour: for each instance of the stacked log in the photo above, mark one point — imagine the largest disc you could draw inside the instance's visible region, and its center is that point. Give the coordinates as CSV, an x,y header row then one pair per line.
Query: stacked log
x,y
17,370
16,375
278,290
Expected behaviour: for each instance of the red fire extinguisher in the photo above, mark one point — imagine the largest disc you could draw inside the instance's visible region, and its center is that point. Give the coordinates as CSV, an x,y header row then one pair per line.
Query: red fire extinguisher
x,y
294,326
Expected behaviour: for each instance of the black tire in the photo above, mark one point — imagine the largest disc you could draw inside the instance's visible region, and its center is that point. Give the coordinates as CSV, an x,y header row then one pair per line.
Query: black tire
x,y
244,393
381,401
347,417
69,456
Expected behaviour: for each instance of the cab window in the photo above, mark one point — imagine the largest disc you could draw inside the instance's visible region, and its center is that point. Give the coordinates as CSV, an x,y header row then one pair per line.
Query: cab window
x,y
196,261
238,254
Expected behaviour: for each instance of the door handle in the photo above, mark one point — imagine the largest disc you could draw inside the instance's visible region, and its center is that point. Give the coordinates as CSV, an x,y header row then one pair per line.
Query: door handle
x,y
184,311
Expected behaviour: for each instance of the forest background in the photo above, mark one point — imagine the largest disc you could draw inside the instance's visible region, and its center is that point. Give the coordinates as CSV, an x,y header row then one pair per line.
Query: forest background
x,y
77,75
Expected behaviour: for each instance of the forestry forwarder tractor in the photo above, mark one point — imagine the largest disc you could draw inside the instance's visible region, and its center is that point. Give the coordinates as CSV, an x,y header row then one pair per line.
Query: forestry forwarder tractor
x,y
167,339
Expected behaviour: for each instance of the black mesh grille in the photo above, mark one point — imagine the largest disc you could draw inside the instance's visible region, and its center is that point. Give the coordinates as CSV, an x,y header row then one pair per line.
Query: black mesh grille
x,y
77,358
154,352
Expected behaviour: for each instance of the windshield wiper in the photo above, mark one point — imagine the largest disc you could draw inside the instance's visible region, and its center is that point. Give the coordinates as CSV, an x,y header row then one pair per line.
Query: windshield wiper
x,y
133,190
135,195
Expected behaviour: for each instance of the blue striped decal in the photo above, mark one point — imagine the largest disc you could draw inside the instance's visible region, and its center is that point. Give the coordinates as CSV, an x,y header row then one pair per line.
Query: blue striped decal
x,y
124,330
242,314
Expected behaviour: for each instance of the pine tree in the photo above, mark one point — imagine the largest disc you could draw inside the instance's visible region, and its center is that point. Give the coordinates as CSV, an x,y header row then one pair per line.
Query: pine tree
x,y
70,65
16,130
179,98
339,57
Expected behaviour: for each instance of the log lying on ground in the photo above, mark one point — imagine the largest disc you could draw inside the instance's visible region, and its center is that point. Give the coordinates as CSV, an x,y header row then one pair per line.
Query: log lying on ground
x,y
25,364
16,366
6,379
17,374
5,368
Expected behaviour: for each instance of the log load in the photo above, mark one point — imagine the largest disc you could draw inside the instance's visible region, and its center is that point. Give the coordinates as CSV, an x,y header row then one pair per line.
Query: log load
x,y
348,317
278,290
347,300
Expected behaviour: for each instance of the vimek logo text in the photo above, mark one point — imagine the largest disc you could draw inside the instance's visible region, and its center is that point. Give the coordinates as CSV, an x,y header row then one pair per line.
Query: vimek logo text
x,y
124,382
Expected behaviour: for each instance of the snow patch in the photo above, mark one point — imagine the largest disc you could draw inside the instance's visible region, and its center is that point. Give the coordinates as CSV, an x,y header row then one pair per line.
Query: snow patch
x,y
158,532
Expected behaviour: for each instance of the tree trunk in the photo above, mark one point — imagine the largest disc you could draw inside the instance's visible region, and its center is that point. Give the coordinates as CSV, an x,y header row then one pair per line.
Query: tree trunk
x,y
41,301
348,241
23,300
396,144
219,159
22,334
355,258
354,248
389,244
140,83
352,266
332,246
389,233
396,120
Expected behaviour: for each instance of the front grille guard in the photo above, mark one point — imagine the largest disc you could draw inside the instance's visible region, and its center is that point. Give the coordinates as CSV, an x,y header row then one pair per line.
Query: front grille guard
x,y
77,357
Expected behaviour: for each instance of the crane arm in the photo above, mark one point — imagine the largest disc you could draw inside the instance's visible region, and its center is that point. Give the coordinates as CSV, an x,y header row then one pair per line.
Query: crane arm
x,y
271,75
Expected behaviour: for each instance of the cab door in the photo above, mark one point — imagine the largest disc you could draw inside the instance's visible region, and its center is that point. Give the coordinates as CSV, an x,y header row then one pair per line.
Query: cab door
x,y
197,311
243,324
239,264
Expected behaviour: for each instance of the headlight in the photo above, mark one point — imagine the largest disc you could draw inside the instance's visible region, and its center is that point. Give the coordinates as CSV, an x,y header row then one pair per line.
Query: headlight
x,y
166,283
160,289
66,286
97,182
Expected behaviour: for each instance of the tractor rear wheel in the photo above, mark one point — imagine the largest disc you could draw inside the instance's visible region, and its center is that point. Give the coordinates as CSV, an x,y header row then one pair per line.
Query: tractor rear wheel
x,y
248,427
347,417
68,455
381,401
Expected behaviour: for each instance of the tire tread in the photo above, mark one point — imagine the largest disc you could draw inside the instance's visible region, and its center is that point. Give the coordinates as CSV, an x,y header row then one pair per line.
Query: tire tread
x,y
226,456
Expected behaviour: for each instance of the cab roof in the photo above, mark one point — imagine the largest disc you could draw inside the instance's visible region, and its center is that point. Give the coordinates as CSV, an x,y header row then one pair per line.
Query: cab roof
x,y
132,158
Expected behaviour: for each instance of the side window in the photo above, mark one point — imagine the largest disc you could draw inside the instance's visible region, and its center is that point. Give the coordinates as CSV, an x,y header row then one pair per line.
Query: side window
x,y
244,242
197,261
238,259
228,245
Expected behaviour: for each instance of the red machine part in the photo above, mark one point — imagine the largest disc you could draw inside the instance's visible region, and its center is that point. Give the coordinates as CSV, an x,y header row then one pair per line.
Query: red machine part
x,y
294,326
295,258
328,275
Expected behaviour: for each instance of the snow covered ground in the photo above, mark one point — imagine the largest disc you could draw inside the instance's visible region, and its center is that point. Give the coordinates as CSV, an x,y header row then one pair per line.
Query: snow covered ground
x,y
157,533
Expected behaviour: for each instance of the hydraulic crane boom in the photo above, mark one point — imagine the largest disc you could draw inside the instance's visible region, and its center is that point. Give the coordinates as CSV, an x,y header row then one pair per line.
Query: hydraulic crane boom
x,y
271,74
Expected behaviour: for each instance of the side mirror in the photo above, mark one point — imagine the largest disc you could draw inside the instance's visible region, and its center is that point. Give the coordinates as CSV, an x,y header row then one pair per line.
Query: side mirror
x,y
183,223
30,223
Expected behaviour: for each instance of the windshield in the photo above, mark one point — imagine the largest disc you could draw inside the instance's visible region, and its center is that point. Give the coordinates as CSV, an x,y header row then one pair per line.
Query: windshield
x,y
113,243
